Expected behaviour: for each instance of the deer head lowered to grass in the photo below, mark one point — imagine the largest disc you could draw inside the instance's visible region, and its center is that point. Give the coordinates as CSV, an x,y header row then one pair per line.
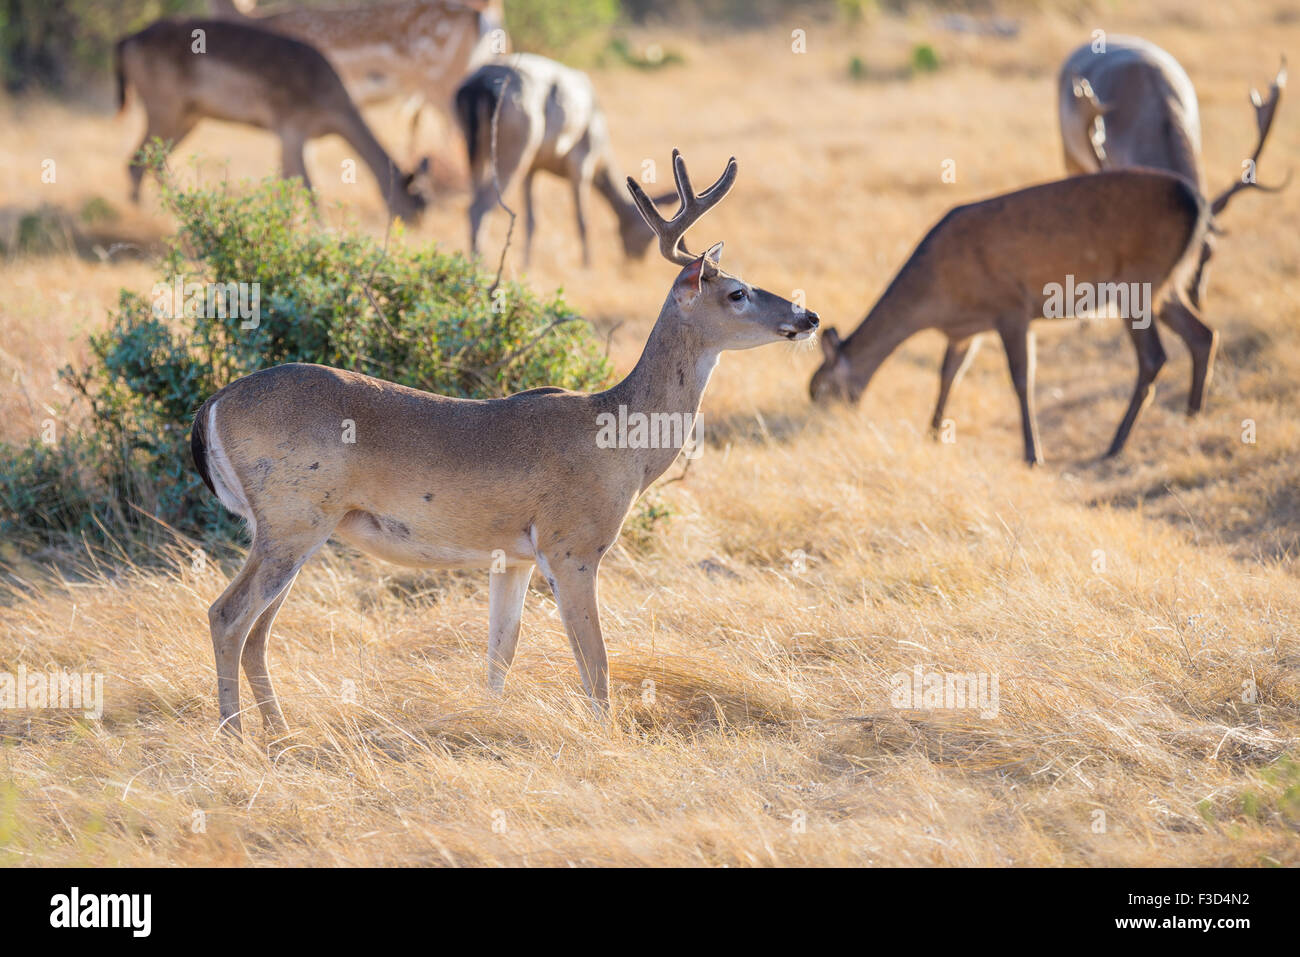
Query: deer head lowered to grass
x,y
989,266
441,482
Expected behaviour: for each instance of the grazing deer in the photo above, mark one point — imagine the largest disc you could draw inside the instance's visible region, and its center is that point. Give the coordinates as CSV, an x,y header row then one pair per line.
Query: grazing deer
x,y
989,266
548,120
1134,105
187,70
418,49
1131,105
441,482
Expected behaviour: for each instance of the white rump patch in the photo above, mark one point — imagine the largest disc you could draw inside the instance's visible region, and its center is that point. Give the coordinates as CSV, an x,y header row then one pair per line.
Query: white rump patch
x,y
229,489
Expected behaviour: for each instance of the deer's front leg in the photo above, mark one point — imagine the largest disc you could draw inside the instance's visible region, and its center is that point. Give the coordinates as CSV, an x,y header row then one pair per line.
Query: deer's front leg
x,y
506,592
573,581
956,359
1019,344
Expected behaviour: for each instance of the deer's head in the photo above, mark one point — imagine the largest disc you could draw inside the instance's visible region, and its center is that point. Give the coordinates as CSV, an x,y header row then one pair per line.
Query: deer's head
x,y
722,309
832,381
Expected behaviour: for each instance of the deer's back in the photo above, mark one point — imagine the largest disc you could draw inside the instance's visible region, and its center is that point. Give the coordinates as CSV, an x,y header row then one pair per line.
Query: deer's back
x,y
550,105
244,74
310,402
1127,225
385,49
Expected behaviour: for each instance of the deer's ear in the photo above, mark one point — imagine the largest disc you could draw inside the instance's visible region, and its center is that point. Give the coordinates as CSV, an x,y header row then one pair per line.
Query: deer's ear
x,y
711,259
687,286
830,343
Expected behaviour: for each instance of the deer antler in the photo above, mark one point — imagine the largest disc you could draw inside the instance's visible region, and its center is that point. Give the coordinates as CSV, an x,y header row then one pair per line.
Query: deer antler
x,y
693,207
1265,110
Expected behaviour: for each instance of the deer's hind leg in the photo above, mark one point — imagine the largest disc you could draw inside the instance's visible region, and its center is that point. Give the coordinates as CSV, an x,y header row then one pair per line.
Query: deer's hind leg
x,y
530,215
272,563
484,198
956,360
254,660
1202,342
1151,357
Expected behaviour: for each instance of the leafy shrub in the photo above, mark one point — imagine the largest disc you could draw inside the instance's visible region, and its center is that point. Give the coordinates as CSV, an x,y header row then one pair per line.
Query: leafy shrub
x,y
924,59
416,316
50,42
574,31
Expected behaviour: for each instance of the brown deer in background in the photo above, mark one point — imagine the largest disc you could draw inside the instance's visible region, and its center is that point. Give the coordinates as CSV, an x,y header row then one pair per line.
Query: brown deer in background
x,y
440,482
548,120
988,266
416,49
184,71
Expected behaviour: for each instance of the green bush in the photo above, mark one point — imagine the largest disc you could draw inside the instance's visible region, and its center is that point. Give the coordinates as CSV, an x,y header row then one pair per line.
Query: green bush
x,y
417,316
48,43
924,59
575,31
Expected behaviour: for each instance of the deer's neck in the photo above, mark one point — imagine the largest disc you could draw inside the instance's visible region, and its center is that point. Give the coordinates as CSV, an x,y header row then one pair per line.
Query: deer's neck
x,y
353,128
669,379
900,313
607,183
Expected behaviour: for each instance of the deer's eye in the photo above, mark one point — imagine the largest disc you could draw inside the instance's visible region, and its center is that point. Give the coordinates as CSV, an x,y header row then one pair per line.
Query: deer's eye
x,y
737,296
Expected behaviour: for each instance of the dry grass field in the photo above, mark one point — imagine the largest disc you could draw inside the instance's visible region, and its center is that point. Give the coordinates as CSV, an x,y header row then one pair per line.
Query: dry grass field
x,y
809,555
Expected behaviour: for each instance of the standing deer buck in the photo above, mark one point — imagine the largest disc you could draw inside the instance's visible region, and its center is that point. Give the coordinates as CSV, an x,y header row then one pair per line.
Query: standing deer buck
x,y
440,482
547,119
416,49
187,70
1134,105
989,266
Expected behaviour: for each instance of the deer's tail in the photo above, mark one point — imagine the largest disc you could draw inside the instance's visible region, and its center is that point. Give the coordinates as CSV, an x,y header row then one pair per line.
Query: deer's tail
x,y
199,445
476,102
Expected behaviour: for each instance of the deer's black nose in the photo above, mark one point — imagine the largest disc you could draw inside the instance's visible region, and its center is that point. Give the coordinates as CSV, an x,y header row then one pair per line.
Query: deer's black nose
x,y
812,318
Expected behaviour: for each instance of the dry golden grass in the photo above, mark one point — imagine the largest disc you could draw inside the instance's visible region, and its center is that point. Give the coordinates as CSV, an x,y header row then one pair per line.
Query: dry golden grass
x,y
1120,692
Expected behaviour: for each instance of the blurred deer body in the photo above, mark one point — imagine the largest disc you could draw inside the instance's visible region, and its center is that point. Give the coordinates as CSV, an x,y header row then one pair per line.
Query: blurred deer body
x,y
1134,106
434,481
989,266
549,120
419,49
187,70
